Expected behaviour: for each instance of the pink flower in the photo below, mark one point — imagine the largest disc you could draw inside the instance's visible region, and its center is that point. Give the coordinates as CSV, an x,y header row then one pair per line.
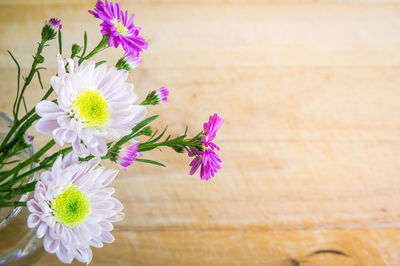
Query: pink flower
x,y
208,160
212,126
128,155
119,26
163,93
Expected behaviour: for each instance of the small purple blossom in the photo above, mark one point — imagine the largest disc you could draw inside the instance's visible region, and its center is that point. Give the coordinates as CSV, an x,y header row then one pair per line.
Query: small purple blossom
x,y
163,93
156,96
132,60
119,26
208,160
128,155
30,138
128,62
55,23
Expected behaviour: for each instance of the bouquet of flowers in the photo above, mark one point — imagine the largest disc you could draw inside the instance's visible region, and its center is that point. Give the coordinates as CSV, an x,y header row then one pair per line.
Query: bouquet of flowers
x,y
88,112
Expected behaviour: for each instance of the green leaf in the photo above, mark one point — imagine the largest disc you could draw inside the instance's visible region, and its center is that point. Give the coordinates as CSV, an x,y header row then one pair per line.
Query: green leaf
x,y
18,84
101,62
84,44
23,101
143,123
150,162
39,78
159,137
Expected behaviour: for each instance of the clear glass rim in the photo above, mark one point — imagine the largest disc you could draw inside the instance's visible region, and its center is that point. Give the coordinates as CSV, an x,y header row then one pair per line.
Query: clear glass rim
x,y
24,197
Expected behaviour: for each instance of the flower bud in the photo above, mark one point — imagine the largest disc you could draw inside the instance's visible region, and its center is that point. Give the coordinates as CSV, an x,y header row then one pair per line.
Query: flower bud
x,y
128,155
51,28
155,97
39,58
128,62
75,49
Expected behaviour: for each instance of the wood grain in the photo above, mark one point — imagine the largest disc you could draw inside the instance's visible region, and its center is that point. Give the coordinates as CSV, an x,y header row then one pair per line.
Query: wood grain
x,y
310,91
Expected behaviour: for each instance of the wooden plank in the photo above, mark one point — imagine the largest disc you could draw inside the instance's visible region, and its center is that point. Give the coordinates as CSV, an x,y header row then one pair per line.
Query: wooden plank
x,y
277,248
310,148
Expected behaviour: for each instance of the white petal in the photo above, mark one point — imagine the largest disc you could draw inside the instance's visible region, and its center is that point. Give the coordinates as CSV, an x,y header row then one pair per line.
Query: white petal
x,y
79,148
71,64
83,235
64,254
96,242
33,206
59,136
116,218
117,205
104,204
33,220
107,237
48,109
140,112
57,167
108,176
60,66
56,83
83,255
46,126
49,244
94,229
106,226
70,159
70,136
41,230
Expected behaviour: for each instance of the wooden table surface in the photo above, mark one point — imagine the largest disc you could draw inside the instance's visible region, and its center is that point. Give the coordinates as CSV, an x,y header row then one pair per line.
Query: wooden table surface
x,y
310,92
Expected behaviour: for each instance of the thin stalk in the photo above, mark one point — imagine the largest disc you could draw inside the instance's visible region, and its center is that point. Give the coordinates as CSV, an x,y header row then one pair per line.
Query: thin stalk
x,y
13,204
28,79
27,162
19,122
103,44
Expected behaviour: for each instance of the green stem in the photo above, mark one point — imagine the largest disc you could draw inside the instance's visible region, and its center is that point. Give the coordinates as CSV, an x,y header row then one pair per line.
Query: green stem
x,y
103,44
45,164
4,146
28,79
13,204
13,192
171,143
22,165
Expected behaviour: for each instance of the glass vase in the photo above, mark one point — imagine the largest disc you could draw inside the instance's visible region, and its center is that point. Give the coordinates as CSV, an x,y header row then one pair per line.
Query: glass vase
x,y
19,244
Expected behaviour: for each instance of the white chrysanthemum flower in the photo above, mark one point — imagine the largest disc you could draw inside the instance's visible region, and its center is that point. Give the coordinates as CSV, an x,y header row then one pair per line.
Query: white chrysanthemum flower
x,y
73,209
94,104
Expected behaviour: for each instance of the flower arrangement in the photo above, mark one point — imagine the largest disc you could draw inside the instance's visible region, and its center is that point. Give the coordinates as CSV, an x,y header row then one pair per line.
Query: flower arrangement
x,y
89,111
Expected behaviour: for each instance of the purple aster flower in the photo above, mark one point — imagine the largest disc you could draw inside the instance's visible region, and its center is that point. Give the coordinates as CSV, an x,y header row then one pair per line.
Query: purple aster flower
x,y
128,155
208,160
163,93
55,23
119,26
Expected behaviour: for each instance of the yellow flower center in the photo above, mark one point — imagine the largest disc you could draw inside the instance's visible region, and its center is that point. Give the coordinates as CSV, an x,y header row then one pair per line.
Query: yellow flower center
x,y
91,108
71,207
120,27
